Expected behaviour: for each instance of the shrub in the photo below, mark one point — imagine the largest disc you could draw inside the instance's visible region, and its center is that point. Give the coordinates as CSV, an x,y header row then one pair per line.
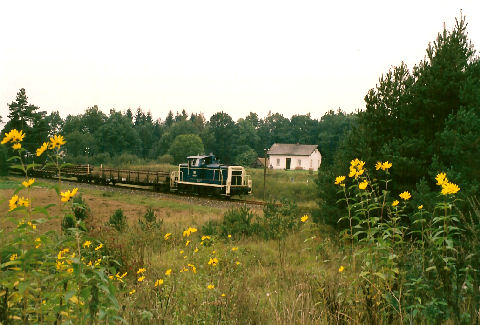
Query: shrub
x,y
101,158
83,159
165,159
149,220
3,160
211,228
278,219
126,159
238,222
246,158
150,216
118,220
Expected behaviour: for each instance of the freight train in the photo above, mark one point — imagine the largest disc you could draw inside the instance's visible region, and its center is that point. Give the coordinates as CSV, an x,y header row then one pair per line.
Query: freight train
x,y
203,175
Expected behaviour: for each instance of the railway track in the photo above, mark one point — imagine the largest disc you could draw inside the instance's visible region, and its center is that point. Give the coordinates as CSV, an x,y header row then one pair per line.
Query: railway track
x,y
139,180
211,198
150,189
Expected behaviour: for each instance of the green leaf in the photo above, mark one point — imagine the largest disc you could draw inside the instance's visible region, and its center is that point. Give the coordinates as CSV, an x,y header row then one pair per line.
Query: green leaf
x,y
18,167
380,275
30,166
13,157
363,274
20,208
358,233
41,210
431,268
22,286
10,263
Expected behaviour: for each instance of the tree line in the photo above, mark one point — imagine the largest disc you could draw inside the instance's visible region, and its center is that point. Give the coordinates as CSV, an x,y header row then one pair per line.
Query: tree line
x,y
425,120
126,136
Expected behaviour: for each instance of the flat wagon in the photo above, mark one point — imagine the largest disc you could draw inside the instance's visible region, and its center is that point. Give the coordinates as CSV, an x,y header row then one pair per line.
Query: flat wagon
x,y
202,175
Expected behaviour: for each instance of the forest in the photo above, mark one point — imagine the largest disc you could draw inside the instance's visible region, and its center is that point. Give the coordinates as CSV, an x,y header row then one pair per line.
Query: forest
x,y
133,136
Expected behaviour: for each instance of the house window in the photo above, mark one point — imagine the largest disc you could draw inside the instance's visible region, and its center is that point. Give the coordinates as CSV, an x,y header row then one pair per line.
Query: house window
x,y
311,163
278,161
299,162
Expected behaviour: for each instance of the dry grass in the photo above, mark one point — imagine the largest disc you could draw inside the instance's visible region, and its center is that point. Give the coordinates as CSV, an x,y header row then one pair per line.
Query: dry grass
x,y
172,210
257,291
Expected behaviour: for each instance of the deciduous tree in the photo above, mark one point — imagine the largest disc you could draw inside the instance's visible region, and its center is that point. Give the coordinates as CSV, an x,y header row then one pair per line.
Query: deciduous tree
x,y
185,145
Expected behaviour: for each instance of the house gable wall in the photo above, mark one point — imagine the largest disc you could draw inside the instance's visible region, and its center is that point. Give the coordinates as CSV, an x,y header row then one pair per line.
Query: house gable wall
x,y
296,162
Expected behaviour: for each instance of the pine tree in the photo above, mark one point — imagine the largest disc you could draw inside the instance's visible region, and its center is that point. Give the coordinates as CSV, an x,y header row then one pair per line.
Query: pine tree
x,y
26,117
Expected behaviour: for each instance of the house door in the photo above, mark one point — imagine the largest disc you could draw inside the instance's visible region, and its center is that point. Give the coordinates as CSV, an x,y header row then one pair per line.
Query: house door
x,y
289,160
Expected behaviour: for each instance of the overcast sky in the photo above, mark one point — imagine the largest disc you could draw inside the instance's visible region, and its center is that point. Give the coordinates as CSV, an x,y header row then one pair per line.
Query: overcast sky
x,y
291,57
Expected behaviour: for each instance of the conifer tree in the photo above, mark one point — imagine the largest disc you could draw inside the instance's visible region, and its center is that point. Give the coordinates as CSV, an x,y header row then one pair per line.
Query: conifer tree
x,y
26,117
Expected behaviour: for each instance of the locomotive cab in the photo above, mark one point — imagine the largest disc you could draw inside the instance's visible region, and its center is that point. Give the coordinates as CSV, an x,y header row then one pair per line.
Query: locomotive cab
x,y
205,175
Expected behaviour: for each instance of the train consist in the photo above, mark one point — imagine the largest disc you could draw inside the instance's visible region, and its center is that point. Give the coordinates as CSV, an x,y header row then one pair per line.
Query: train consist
x,y
200,175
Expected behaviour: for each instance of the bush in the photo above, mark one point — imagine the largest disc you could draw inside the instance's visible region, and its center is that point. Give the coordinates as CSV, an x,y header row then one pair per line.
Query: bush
x,y
101,158
418,258
149,220
211,228
118,220
3,160
150,216
165,159
246,158
239,222
278,220
126,159
82,159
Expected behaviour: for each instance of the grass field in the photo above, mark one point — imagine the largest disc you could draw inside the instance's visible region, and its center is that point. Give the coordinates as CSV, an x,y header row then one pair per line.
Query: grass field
x,y
256,281
292,185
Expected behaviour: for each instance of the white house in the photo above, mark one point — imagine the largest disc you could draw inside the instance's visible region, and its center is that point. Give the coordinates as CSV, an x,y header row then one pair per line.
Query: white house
x,y
294,156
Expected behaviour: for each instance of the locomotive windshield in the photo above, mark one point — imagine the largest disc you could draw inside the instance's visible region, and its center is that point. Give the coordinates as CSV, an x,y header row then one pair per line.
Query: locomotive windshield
x,y
195,162
198,161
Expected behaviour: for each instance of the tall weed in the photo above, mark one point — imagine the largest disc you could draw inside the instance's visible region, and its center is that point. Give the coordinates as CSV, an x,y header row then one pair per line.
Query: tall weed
x,y
407,272
46,277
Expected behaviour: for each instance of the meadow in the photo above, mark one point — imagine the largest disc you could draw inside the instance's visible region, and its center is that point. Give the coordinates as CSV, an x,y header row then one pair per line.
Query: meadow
x,y
248,284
